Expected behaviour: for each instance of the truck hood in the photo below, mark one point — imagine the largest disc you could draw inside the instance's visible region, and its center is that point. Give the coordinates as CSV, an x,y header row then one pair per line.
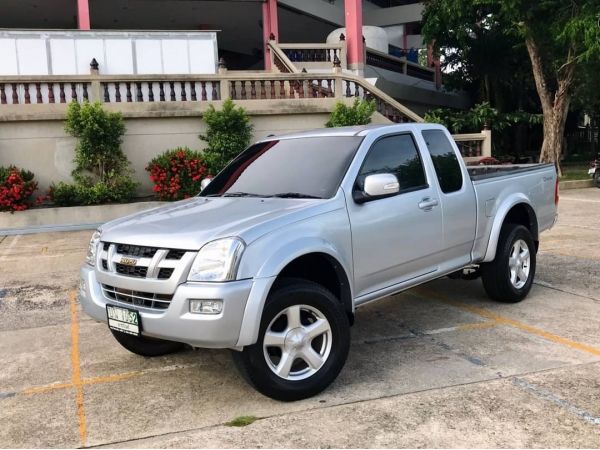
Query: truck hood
x,y
189,224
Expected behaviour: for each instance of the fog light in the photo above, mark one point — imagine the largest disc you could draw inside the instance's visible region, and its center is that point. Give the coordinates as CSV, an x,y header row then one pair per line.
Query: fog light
x,y
206,306
82,285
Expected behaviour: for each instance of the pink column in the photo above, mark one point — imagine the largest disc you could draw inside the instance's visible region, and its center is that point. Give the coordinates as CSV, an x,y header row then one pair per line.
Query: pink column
x,y
83,14
270,27
354,42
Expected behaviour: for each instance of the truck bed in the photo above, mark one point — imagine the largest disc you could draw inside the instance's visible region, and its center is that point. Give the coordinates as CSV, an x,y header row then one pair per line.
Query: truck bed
x,y
498,187
479,173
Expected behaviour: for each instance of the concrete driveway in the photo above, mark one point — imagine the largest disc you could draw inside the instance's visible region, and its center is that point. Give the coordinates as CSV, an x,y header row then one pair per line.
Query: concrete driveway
x,y
439,366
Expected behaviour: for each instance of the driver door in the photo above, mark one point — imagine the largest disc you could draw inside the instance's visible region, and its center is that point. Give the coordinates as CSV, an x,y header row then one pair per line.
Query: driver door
x,y
398,237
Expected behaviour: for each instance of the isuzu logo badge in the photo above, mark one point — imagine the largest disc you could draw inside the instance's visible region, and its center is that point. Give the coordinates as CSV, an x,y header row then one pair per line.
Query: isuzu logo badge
x,y
128,261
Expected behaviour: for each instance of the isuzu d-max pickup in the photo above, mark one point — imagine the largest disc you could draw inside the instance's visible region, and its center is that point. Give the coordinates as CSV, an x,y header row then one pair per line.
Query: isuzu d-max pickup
x,y
275,254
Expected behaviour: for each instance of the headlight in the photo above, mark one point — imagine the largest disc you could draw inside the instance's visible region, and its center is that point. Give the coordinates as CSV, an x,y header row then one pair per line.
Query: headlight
x,y
90,258
217,261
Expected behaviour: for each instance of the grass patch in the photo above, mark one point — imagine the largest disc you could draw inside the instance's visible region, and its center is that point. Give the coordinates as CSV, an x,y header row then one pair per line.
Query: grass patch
x,y
242,421
571,173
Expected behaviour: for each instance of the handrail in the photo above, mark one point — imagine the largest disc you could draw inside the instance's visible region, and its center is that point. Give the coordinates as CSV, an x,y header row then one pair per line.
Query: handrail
x,y
208,87
474,144
378,93
280,60
400,65
469,137
309,46
312,56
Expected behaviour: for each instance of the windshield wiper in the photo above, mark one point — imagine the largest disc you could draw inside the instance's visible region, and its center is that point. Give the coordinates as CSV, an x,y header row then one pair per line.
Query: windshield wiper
x,y
294,195
242,194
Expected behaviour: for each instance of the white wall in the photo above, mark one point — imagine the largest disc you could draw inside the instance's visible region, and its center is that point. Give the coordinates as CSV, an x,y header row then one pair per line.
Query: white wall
x,y
117,53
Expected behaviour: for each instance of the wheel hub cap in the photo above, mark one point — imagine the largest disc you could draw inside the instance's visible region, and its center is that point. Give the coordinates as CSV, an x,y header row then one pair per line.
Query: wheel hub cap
x,y
297,342
295,339
519,264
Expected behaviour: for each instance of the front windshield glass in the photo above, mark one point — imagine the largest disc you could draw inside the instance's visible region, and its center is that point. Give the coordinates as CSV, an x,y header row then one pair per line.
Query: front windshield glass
x,y
288,168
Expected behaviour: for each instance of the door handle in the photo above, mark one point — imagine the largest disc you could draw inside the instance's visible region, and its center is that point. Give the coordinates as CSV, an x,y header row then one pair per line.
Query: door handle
x,y
428,203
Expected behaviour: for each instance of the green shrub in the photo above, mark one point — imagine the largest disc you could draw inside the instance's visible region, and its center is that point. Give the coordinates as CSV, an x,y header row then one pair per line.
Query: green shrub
x,y
358,114
102,172
229,132
120,190
177,173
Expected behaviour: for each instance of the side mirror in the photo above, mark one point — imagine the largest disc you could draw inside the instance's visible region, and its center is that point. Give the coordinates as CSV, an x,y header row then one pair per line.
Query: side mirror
x,y
205,182
378,186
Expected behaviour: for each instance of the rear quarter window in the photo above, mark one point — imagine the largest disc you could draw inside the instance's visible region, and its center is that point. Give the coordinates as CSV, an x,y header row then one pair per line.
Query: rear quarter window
x,y
445,162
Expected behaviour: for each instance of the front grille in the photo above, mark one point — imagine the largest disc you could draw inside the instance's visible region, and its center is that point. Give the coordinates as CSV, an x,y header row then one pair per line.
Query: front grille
x,y
132,271
165,273
137,298
176,254
141,254
136,250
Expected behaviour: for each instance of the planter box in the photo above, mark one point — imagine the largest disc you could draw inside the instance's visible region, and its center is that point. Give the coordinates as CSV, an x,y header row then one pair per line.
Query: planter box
x,y
66,218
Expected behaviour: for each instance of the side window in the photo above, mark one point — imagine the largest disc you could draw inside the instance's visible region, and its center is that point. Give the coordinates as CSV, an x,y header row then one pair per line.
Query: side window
x,y
397,155
445,161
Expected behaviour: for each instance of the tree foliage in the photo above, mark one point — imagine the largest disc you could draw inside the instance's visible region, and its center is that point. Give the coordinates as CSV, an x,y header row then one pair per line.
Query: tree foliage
x,y
229,132
480,116
358,114
561,37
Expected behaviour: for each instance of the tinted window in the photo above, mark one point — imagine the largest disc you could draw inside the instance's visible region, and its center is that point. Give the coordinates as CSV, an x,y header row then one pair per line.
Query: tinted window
x,y
444,159
397,155
301,167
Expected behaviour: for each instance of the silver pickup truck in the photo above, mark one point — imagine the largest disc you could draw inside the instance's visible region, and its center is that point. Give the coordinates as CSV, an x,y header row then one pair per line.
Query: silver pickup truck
x,y
280,248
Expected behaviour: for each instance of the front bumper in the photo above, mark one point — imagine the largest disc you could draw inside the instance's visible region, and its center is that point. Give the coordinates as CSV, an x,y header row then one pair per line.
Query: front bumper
x,y
176,323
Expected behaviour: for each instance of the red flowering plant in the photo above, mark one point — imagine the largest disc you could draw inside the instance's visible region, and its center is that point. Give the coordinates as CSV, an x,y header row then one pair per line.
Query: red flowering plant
x,y
177,173
16,189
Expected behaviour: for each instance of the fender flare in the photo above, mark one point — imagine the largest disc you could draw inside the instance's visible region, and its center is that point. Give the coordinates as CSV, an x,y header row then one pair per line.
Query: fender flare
x,y
502,212
267,275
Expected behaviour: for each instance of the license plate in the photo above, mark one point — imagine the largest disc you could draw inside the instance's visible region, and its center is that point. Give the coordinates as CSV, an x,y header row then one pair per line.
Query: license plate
x,y
124,320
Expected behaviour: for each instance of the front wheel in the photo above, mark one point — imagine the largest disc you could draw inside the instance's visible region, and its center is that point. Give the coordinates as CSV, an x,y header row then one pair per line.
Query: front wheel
x,y
302,345
508,278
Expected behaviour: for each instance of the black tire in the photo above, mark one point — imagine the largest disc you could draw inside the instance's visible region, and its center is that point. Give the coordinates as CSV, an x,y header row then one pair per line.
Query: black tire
x,y
145,346
597,178
252,361
496,275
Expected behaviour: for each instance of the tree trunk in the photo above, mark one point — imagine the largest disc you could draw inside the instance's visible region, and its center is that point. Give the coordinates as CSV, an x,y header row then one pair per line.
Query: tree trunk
x,y
555,105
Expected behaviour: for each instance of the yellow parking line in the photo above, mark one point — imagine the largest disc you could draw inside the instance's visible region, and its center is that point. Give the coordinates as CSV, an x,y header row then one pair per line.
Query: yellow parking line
x,y
111,378
427,293
477,326
84,382
76,369
46,388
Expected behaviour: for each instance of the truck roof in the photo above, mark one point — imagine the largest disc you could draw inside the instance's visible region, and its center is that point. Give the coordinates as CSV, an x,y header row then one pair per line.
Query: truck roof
x,y
361,130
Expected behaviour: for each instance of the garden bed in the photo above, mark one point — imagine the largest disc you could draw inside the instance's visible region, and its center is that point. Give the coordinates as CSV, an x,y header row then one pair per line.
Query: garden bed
x,y
38,220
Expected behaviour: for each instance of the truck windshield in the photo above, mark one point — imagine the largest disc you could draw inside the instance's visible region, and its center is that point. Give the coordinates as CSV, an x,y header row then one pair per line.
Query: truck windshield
x,y
288,168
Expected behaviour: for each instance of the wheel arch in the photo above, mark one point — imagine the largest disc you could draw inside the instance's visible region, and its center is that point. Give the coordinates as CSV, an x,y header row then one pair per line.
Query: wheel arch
x,y
518,211
323,269
291,260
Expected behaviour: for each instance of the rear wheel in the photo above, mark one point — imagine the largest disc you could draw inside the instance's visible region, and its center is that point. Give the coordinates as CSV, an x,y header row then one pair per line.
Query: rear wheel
x,y
302,345
508,278
145,346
